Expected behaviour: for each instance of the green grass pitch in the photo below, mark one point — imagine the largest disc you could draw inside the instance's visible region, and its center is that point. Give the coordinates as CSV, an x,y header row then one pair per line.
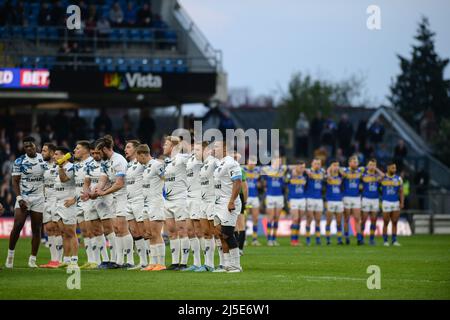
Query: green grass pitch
x,y
420,269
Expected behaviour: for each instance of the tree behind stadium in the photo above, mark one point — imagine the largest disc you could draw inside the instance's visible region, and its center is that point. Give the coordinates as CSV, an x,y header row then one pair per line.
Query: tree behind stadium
x,y
421,86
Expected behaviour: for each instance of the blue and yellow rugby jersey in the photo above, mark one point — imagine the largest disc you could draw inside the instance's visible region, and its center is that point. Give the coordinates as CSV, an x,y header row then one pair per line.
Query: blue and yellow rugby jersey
x,y
370,183
314,184
390,187
334,188
296,185
352,180
275,180
252,180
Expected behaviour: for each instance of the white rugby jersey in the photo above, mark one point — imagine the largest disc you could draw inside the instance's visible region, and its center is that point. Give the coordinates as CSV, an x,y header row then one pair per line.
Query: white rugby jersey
x,y
95,169
175,177
206,175
227,171
31,172
65,190
50,174
152,180
116,167
133,179
193,166
80,171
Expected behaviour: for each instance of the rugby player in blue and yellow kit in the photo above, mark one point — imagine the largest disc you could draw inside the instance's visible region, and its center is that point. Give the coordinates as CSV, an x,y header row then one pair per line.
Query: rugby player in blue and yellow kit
x,y
392,201
273,175
314,201
352,198
253,173
334,203
370,202
296,181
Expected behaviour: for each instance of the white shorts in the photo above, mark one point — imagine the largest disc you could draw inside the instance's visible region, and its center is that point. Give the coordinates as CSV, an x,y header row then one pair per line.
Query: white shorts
x,y
154,210
297,204
49,210
315,205
335,206
253,202
225,217
67,215
34,203
101,208
274,202
83,207
120,205
390,206
176,209
370,205
207,209
352,202
135,209
194,209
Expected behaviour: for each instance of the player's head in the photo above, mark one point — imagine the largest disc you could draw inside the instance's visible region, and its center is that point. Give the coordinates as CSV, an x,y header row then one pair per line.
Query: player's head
x,y
372,164
391,168
252,162
171,145
237,156
29,146
300,166
143,153
82,150
207,149
198,150
105,147
316,164
334,166
130,149
60,152
220,149
48,151
276,160
353,162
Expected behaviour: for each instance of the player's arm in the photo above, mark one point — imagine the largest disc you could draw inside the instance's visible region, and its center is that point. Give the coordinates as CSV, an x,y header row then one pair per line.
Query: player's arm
x,y
63,176
237,184
245,190
402,197
380,174
85,194
118,184
342,172
16,186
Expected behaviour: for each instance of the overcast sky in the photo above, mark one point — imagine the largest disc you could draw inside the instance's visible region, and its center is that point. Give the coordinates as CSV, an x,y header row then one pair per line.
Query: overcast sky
x,y
265,41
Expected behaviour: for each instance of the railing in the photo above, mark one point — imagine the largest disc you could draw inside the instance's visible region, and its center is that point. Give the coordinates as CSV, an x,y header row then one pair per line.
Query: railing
x,y
214,56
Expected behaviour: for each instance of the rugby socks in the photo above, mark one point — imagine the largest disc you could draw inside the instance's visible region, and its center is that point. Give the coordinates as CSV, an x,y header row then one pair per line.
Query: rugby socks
x,y
88,248
308,235
385,237
161,252
195,248
317,234
274,230
221,254
346,236
112,246
153,254
101,243
127,243
209,252
255,232
142,251
175,249
269,230
359,236
235,259
66,260
373,227
226,260
185,245
119,251
339,234
74,260
328,234
394,238
95,252
241,239
295,227
52,247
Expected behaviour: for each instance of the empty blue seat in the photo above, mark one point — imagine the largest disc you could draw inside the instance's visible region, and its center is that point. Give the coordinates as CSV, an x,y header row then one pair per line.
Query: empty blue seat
x,y
156,65
121,65
52,33
168,67
180,65
147,35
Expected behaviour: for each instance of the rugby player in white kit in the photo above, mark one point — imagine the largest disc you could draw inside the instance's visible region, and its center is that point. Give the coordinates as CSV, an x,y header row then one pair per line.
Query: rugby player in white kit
x,y
135,205
28,185
116,168
175,205
152,185
227,184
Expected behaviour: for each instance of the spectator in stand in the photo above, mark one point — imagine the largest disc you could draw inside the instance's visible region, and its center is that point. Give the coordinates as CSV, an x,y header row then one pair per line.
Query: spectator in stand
x,y
102,124
329,135
103,30
376,132
36,134
400,153
7,165
322,154
144,16
301,136
345,134
78,128
45,15
382,154
361,132
317,124
130,16
48,135
116,15
147,127
368,150
91,24
92,12
421,181
19,14
58,14
340,156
